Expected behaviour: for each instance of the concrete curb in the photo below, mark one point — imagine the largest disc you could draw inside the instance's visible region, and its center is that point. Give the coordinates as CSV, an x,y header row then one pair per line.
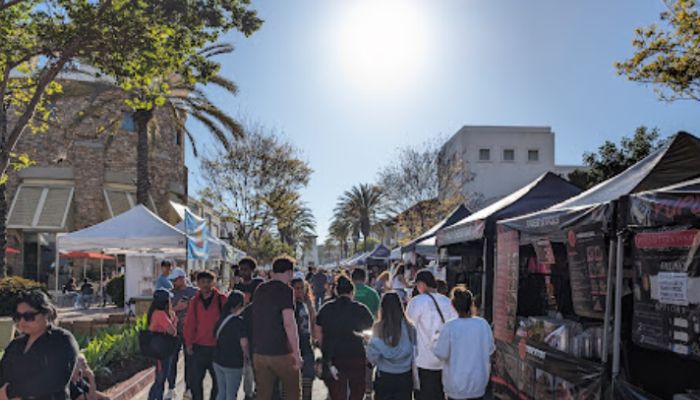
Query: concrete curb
x,y
131,387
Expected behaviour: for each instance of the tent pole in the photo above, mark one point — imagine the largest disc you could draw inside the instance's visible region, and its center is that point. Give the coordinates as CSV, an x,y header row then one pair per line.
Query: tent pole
x,y
57,265
608,298
618,306
84,268
484,259
102,277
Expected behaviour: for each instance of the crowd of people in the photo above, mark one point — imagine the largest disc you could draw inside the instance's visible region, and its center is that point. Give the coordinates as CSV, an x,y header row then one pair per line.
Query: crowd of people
x,y
394,335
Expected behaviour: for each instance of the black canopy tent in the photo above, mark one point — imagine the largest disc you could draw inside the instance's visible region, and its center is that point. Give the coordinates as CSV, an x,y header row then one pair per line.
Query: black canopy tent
x,y
583,227
473,237
663,346
424,245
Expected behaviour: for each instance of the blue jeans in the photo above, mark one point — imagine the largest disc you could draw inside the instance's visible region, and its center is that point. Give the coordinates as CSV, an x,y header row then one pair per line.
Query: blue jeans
x,y
228,381
162,370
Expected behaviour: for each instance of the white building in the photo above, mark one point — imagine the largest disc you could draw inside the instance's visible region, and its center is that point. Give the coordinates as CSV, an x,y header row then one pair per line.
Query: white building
x,y
491,162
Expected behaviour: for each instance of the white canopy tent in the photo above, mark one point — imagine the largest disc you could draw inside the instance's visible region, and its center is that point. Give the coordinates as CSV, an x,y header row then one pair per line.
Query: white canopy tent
x,y
138,233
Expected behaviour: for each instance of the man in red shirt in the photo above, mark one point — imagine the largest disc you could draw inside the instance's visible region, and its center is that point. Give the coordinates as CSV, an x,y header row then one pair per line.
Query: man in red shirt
x,y
203,313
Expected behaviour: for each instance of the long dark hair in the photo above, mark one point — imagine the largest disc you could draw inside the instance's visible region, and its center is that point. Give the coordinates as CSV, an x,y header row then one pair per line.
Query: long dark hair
x,y
235,299
391,319
160,302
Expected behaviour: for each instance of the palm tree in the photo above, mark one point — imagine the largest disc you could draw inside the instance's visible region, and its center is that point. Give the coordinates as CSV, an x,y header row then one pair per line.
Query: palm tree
x,y
186,99
340,231
362,203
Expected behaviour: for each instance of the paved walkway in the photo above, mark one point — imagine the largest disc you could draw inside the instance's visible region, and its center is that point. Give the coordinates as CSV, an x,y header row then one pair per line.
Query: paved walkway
x,y
320,392
92,313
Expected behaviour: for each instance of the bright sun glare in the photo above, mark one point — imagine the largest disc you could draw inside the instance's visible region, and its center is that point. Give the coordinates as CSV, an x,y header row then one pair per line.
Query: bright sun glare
x,y
383,44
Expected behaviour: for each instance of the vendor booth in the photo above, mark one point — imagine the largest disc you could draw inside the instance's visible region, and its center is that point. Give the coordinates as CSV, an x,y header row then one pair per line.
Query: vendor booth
x,y
472,238
553,297
140,235
660,348
424,245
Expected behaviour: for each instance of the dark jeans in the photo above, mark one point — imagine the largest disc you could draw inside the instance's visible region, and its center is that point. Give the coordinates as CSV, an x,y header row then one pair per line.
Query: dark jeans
x,y
393,386
172,376
430,385
351,375
163,368
202,361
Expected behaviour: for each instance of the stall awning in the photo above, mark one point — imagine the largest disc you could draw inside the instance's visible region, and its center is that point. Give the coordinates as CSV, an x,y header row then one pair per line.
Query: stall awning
x,y
671,205
455,216
677,161
541,193
40,207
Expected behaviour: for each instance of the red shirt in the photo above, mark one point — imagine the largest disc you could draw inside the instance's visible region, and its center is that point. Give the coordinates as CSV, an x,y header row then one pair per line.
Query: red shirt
x,y
200,321
161,322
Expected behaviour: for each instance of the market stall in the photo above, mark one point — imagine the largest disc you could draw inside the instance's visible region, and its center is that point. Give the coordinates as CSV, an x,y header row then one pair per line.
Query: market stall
x,y
473,237
424,245
139,234
553,293
663,333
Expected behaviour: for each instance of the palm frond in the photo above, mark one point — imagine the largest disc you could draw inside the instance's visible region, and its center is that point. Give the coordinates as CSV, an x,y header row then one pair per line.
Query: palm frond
x,y
217,49
230,124
215,130
193,142
224,83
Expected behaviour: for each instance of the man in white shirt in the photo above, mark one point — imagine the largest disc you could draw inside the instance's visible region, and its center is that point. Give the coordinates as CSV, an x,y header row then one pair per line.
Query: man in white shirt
x,y
429,311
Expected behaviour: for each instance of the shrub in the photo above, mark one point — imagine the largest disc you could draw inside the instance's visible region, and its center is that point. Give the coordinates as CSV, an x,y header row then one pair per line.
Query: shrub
x,y
113,344
10,287
115,290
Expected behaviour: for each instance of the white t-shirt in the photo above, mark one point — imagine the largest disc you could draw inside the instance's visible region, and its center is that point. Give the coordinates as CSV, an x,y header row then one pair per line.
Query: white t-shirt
x,y
422,312
466,345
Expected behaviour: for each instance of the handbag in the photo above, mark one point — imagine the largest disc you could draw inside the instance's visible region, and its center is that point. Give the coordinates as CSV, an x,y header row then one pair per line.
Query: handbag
x,y
157,345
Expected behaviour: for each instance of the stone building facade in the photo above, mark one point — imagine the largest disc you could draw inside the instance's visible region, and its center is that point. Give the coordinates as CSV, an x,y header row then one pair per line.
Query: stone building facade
x,y
84,172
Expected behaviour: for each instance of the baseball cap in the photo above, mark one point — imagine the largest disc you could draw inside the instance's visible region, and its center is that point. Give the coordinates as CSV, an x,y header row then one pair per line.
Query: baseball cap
x,y
426,276
177,273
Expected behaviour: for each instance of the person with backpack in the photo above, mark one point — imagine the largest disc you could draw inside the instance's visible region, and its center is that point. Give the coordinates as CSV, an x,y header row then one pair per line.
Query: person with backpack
x,y
465,345
428,311
161,319
228,358
391,350
203,313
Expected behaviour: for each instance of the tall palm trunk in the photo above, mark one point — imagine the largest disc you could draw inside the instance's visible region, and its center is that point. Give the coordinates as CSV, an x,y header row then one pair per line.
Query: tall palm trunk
x,y
4,163
143,184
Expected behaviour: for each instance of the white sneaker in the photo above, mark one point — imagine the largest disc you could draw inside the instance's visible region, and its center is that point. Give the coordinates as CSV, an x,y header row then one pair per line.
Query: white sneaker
x,y
169,394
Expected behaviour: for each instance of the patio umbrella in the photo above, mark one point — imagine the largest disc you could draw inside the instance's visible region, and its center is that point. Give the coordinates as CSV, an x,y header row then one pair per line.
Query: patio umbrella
x,y
86,255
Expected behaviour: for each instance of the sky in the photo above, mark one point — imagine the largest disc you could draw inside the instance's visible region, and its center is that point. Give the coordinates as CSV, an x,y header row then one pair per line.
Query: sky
x,y
350,81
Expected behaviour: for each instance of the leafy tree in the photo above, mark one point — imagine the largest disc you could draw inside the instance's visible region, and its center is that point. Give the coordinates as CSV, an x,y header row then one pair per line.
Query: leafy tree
x,y
136,43
255,185
361,206
611,159
420,188
666,55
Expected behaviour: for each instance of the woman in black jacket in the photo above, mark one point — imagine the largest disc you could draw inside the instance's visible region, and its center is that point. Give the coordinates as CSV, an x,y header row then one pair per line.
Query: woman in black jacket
x,y
37,365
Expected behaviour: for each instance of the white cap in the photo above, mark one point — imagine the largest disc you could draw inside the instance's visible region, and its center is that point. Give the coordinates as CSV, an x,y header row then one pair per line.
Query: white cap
x,y
177,273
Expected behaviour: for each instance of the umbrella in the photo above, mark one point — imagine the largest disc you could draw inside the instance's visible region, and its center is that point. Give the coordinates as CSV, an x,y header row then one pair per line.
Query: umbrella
x,y
11,250
89,255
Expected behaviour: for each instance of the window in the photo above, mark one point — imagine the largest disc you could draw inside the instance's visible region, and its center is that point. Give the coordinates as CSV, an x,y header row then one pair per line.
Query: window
x,y
40,207
533,155
484,154
508,155
121,200
128,123
178,138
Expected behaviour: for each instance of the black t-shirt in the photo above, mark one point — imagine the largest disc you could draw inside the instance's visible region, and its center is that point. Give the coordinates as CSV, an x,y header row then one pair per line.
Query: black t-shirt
x,y
271,298
44,371
228,344
342,320
248,287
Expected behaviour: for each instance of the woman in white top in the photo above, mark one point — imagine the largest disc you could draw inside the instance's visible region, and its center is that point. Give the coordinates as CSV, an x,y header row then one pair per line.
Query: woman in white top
x,y
465,345
398,281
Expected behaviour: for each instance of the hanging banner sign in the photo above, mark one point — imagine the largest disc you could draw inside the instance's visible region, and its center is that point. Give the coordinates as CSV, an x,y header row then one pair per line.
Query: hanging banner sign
x,y
666,291
588,270
197,243
505,299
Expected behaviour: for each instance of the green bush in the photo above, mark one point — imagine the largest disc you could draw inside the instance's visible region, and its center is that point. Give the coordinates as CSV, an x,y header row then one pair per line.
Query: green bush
x,y
10,287
113,344
115,290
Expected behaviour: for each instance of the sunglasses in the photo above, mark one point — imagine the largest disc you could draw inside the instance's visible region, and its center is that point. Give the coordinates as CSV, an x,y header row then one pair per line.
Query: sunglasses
x,y
27,316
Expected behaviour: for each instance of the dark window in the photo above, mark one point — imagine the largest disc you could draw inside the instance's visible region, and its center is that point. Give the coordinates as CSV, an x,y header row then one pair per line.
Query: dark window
x,y
533,155
508,155
484,154
178,138
128,123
